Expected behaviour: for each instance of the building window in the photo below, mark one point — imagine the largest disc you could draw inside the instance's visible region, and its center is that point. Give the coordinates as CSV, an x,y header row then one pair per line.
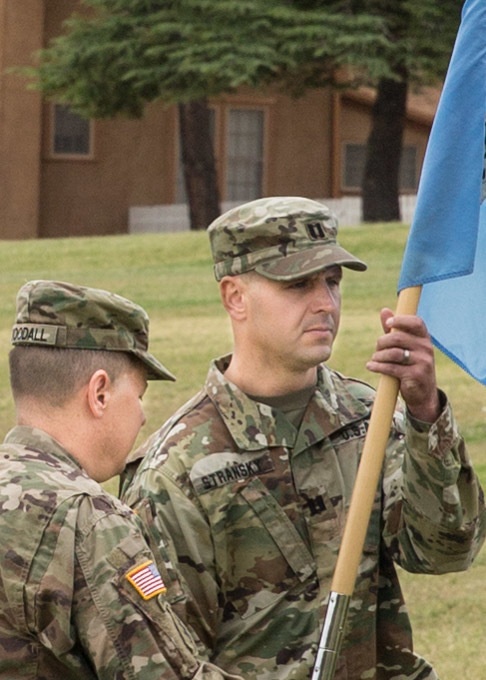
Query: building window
x,y
238,138
408,169
354,163
71,134
353,166
244,154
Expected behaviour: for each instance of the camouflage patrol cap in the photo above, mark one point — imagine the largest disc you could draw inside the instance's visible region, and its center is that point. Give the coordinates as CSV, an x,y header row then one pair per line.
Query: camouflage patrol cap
x,y
281,238
58,314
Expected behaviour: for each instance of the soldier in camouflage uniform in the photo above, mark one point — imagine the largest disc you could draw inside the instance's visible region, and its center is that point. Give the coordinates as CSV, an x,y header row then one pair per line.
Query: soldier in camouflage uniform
x,y
81,595
253,477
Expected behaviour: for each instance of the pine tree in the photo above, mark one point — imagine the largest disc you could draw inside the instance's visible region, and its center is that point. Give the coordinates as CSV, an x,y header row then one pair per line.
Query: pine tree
x,y
122,54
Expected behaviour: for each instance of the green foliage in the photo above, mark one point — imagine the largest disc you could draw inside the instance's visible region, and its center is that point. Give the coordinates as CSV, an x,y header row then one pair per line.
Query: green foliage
x,y
428,41
124,53
120,54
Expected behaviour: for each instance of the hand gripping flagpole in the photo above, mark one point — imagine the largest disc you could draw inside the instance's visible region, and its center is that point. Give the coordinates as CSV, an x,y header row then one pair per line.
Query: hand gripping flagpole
x,y
359,514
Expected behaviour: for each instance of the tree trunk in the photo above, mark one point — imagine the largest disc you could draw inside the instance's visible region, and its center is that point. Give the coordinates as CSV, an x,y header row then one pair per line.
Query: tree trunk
x,y
199,163
384,148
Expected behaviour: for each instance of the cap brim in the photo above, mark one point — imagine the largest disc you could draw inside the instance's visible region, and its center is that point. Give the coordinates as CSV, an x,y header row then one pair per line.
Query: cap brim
x,y
308,261
155,370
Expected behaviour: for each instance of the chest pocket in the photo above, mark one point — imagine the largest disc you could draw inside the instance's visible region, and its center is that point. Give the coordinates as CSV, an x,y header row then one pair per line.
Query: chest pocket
x,y
325,475
263,554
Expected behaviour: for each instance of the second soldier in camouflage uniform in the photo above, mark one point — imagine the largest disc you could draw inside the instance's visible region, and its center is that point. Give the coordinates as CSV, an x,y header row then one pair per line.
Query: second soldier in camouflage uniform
x,y
81,595
253,477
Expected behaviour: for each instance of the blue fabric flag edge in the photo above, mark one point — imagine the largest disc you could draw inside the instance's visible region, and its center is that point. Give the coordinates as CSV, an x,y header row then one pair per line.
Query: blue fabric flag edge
x,y
443,237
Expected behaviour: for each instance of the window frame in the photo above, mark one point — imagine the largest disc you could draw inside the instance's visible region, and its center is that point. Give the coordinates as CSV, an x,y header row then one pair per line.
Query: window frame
x,y
362,146
226,144
220,110
69,156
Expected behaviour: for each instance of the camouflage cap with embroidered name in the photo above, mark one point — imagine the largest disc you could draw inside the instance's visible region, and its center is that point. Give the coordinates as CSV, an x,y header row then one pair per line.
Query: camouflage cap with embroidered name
x,y
282,238
59,314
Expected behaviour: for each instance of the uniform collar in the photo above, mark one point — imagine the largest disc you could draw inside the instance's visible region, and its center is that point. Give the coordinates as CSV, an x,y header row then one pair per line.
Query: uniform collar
x,y
255,426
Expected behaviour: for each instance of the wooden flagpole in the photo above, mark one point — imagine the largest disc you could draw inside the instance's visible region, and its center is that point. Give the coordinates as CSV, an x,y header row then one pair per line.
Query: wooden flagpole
x,y
354,535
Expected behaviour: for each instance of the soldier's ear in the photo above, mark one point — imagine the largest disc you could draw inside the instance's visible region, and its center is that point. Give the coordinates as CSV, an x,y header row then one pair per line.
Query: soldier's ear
x,y
232,290
99,392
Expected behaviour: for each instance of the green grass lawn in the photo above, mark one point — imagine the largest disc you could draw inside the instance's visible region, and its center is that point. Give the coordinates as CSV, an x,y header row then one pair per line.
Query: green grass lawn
x,y
170,275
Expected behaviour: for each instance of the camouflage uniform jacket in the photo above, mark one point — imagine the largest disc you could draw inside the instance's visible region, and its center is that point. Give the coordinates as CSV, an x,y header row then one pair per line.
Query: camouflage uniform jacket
x,y
72,599
256,510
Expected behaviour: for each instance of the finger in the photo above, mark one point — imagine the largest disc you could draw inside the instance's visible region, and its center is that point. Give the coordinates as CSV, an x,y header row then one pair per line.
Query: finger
x,y
408,323
393,355
385,315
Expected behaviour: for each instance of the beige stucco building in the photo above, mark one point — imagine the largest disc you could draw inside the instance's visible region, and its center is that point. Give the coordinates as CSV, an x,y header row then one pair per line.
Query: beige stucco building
x,y
61,175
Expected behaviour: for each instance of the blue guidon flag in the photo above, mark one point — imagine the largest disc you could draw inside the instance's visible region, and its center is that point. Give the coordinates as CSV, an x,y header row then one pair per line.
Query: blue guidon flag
x,y
146,580
446,248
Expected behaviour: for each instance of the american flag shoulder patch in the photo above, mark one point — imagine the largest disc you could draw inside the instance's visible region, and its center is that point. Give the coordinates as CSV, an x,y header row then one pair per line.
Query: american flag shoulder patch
x,y
146,580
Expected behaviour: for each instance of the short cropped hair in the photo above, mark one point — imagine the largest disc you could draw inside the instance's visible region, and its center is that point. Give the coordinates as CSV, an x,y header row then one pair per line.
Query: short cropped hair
x,y
54,375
